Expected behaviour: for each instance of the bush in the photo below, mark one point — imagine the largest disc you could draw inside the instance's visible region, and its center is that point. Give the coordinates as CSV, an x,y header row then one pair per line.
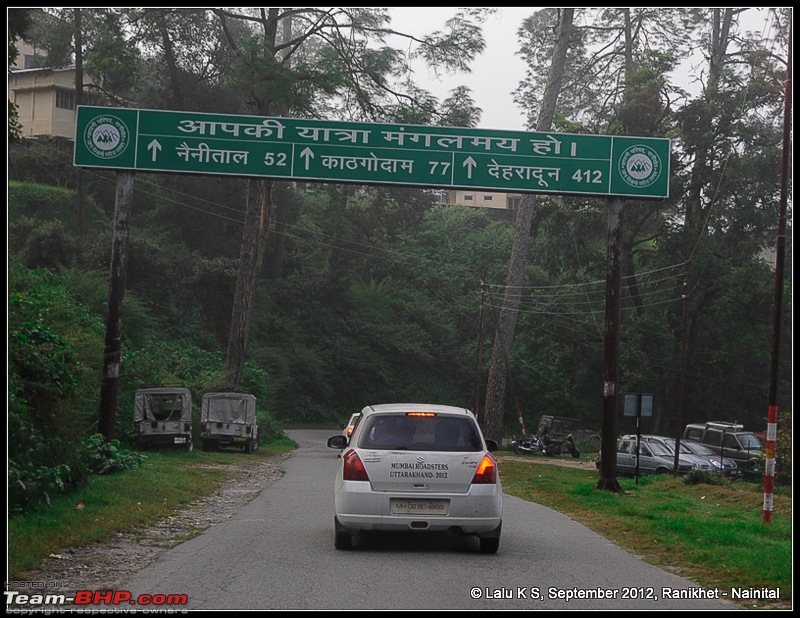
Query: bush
x,y
38,468
704,477
102,457
783,450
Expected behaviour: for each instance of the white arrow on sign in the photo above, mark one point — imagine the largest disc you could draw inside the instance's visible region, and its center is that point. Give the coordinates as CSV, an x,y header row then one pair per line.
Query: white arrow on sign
x,y
154,146
307,154
470,164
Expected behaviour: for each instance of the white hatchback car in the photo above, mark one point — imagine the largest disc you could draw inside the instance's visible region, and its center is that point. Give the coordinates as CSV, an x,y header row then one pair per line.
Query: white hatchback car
x,y
419,468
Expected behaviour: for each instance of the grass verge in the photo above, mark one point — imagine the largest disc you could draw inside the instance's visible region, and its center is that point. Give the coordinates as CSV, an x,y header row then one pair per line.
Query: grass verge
x,y
711,534
109,504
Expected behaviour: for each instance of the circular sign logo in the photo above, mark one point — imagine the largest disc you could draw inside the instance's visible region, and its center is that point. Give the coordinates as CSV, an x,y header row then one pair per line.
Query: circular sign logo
x,y
106,137
640,166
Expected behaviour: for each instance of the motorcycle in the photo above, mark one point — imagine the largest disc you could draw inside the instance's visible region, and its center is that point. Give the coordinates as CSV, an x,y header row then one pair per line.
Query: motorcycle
x,y
532,445
527,445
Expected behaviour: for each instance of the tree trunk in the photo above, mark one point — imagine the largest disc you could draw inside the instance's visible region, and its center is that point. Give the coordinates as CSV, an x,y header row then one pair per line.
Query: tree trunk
x,y
254,237
256,225
507,322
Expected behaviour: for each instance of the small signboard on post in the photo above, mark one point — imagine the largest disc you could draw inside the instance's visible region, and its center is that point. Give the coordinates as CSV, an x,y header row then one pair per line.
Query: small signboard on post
x,y
638,405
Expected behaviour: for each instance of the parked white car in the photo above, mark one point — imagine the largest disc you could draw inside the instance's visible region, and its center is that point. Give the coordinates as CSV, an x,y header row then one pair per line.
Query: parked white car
x,y
418,468
351,425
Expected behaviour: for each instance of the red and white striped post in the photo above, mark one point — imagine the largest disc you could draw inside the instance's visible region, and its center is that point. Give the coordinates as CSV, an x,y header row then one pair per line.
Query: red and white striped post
x,y
769,462
521,422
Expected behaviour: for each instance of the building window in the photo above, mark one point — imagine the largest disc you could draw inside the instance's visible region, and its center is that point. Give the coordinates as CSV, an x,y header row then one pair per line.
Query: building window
x,y
65,99
487,198
32,61
512,203
467,198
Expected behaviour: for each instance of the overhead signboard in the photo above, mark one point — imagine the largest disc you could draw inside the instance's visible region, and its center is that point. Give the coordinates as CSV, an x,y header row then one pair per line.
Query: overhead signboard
x,y
369,153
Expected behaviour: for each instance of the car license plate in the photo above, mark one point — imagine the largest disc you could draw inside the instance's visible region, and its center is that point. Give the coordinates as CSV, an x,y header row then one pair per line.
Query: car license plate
x,y
414,506
180,440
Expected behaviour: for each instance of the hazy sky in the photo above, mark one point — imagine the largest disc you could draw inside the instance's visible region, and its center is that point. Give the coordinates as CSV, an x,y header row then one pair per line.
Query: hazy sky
x,y
496,73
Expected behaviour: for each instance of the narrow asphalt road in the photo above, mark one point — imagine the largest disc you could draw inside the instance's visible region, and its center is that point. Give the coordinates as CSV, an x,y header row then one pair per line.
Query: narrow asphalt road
x,y
277,553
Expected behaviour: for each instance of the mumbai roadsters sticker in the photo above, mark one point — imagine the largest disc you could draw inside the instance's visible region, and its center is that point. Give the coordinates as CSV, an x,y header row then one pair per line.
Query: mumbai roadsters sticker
x,y
640,166
106,137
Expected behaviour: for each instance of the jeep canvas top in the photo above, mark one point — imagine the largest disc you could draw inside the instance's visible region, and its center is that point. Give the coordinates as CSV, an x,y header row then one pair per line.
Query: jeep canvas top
x,y
162,416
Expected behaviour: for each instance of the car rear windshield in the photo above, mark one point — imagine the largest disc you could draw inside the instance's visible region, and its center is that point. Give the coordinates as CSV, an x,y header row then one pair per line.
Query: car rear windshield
x,y
420,433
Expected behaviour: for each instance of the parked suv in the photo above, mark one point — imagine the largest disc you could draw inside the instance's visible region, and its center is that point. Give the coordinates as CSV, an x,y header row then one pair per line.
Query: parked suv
x,y
729,440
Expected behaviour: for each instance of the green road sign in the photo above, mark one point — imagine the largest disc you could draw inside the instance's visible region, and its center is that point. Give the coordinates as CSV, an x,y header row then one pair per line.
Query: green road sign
x,y
366,153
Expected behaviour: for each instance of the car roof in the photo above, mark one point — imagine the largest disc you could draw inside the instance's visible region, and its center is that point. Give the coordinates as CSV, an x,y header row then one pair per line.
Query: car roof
x,y
415,407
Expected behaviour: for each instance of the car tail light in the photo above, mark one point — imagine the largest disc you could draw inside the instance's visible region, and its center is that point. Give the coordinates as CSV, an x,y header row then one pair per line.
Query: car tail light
x,y
353,467
486,472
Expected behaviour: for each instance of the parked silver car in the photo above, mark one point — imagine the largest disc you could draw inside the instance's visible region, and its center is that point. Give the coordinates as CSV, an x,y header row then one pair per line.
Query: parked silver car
x,y
701,455
700,462
722,465
654,458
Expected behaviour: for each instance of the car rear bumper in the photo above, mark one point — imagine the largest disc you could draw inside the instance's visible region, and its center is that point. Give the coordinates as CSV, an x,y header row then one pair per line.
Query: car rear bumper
x,y
479,511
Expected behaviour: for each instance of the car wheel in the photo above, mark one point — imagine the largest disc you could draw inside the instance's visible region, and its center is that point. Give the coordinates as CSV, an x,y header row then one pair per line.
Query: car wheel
x,y
341,538
490,545
248,447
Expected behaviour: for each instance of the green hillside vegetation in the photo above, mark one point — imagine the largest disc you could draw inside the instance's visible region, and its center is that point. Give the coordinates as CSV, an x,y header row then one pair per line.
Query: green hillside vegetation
x,y
375,294
379,299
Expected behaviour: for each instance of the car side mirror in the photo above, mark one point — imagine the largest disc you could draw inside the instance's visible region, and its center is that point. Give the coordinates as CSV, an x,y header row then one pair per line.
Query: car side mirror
x,y
338,441
491,445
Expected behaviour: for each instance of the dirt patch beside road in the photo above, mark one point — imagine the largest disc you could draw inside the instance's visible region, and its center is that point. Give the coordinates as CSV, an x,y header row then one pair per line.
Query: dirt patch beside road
x,y
569,462
108,565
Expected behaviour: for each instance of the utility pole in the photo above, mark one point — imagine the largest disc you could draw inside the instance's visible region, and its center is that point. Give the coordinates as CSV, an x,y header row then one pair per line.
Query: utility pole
x,y
116,295
687,288
479,359
608,445
777,309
